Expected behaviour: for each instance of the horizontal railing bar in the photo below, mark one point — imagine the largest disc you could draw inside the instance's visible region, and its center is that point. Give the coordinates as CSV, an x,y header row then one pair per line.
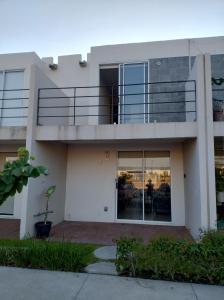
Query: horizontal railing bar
x,y
4,99
13,90
217,90
119,95
12,117
130,84
133,114
72,97
18,107
155,93
126,104
218,100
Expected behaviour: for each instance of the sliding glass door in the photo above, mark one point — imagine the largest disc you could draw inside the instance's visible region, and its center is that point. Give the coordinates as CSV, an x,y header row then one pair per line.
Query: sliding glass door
x,y
133,93
11,98
144,186
130,186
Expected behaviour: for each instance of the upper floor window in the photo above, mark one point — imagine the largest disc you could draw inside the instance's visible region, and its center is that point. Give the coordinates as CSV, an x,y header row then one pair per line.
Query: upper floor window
x,y
217,69
13,104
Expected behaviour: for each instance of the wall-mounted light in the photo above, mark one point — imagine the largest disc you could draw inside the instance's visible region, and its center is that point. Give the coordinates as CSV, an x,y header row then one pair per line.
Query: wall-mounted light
x,y
83,63
53,67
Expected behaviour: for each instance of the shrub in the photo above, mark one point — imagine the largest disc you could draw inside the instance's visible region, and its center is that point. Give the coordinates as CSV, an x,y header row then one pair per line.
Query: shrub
x,y
171,259
63,256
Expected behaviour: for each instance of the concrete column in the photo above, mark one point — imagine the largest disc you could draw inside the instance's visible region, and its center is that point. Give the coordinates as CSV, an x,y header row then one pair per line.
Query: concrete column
x,y
53,156
25,216
202,141
210,145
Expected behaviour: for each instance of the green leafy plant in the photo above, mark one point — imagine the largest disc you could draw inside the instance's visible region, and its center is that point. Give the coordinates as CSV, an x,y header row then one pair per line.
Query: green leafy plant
x,y
15,174
171,259
49,192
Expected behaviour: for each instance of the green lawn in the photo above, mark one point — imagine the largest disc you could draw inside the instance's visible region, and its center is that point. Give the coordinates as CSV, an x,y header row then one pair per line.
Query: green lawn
x,y
38,254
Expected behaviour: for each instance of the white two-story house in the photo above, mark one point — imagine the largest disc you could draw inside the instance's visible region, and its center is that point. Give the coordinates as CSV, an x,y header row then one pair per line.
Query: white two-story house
x,y
133,134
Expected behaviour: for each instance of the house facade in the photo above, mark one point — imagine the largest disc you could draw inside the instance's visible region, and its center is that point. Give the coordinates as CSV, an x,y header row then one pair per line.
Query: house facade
x,y
132,135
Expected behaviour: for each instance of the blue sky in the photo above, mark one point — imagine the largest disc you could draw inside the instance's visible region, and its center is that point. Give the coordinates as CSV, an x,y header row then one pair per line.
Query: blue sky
x,y
57,27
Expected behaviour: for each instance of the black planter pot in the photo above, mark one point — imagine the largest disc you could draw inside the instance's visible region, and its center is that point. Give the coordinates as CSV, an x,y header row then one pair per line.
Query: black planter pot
x,y
42,229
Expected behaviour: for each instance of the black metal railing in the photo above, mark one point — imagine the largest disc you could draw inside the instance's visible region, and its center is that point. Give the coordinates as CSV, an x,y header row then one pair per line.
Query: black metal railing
x,y
218,103
170,101
13,107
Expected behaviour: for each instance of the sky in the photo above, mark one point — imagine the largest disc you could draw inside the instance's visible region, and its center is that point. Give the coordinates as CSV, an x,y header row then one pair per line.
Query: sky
x,y
59,27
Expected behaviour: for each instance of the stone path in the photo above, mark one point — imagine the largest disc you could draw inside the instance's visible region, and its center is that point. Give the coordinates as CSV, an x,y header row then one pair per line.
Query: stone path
x,y
104,266
106,253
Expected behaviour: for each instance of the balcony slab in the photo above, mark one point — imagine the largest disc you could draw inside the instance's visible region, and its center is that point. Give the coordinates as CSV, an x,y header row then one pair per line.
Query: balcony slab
x,y
117,132
12,133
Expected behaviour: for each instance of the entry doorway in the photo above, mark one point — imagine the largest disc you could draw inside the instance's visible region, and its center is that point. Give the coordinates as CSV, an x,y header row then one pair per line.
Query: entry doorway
x,y
144,186
109,100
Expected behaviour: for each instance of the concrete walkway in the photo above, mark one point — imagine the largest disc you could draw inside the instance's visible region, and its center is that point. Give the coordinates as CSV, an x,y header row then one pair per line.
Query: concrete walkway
x,y
25,284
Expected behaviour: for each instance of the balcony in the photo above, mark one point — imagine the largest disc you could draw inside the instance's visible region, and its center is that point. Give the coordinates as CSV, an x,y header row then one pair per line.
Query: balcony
x,y
13,114
136,103
13,107
218,103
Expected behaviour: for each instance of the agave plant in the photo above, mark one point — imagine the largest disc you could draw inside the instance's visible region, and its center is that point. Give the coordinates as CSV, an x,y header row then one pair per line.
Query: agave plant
x,y
15,174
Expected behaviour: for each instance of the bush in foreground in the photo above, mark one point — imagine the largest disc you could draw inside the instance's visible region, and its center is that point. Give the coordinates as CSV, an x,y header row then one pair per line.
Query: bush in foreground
x,y
171,259
63,256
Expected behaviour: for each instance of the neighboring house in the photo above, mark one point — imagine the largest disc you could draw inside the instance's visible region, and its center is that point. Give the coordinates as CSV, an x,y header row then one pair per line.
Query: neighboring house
x,y
128,136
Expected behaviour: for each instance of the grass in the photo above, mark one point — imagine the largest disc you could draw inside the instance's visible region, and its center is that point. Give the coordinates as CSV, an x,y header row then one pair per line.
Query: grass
x,y
38,254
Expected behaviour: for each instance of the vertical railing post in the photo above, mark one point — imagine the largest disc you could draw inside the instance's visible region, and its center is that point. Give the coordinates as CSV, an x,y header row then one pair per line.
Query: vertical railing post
x,y
74,95
112,104
38,106
195,99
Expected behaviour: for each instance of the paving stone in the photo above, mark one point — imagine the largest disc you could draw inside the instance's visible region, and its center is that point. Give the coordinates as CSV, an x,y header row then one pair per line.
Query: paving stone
x,y
106,253
104,268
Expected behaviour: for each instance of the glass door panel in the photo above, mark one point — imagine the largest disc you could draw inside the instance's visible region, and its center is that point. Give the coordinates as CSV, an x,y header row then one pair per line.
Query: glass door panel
x,y
12,113
132,92
130,186
157,182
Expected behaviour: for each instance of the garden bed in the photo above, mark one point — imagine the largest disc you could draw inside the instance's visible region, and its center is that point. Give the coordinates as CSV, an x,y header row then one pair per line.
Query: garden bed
x,y
36,254
170,259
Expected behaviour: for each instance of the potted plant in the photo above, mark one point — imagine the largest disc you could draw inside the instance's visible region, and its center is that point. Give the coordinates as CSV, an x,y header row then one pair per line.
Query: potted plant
x,y
43,228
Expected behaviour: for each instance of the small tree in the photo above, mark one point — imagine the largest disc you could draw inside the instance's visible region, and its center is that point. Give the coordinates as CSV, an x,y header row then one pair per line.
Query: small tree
x,y
50,191
15,174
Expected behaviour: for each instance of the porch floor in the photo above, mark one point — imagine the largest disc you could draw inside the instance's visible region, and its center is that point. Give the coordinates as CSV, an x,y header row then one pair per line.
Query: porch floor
x,y
9,228
106,233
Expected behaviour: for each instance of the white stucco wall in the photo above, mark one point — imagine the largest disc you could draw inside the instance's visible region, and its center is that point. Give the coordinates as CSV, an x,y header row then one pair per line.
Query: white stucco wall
x,y
192,187
90,184
51,155
69,72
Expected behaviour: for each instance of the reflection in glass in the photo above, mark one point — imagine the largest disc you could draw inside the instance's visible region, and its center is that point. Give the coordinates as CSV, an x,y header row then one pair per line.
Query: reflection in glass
x,y
157,195
219,177
132,92
144,177
130,184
